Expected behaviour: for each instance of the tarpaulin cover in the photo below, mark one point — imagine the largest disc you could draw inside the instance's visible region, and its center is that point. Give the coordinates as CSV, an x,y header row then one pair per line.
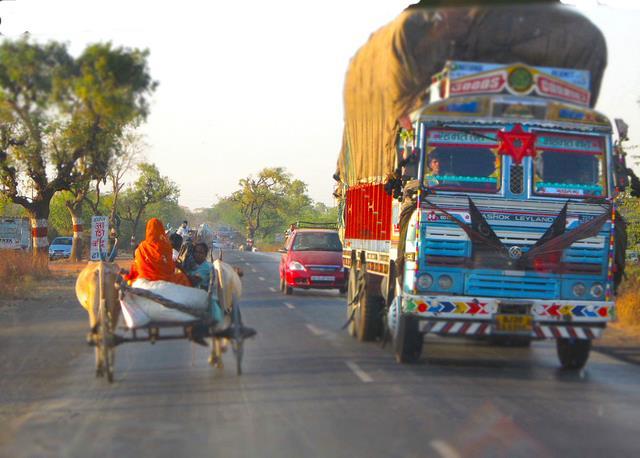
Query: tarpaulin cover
x,y
389,75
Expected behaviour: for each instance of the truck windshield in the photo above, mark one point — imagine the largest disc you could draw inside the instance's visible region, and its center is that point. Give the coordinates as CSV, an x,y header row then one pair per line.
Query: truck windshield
x,y
569,165
462,161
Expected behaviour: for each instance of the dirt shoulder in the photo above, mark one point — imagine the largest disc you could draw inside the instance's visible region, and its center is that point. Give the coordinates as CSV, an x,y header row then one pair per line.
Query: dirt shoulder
x,y
622,342
41,335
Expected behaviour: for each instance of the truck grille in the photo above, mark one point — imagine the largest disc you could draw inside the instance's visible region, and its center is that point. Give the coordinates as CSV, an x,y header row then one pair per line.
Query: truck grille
x,y
515,287
516,179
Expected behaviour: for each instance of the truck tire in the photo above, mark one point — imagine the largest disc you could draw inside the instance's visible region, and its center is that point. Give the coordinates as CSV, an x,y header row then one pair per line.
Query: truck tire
x,y
573,353
352,291
368,318
409,341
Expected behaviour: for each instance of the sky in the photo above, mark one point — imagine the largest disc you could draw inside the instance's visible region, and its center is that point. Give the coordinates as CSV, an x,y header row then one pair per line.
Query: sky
x,y
254,84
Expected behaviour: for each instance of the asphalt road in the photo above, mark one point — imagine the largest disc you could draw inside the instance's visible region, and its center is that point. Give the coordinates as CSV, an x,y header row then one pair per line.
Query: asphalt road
x,y
311,390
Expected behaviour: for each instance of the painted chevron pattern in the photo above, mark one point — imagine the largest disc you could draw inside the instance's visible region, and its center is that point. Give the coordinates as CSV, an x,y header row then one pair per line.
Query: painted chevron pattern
x,y
582,311
468,308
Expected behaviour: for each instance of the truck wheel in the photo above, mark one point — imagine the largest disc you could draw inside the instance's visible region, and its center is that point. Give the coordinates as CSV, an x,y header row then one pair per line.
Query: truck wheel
x,y
409,341
352,291
368,319
573,353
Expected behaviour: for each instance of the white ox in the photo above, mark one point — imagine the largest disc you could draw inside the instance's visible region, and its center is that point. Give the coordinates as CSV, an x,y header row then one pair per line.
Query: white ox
x,y
88,294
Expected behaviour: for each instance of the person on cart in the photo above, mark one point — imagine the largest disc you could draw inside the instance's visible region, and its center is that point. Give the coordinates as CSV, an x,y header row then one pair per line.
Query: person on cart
x,y
154,258
200,272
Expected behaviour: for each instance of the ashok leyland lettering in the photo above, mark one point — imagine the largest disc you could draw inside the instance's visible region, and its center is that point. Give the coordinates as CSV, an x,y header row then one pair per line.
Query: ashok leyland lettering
x,y
500,222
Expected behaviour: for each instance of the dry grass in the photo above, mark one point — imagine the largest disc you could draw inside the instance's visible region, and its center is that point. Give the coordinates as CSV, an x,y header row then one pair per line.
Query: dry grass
x,y
628,301
19,272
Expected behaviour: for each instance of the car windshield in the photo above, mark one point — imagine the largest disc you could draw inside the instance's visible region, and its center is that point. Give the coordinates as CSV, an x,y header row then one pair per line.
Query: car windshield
x,y
568,165
462,161
62,241
317,241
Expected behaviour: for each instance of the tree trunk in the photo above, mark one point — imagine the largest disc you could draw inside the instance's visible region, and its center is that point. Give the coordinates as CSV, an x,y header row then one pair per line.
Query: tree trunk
x,y
78,228
39,236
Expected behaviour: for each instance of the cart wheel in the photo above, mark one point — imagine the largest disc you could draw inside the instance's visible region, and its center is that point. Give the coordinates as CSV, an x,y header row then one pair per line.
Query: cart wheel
x,y
105,344
237,342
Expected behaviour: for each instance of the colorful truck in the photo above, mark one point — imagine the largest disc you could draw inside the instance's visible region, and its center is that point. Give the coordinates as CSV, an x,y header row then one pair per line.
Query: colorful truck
x,y
492,212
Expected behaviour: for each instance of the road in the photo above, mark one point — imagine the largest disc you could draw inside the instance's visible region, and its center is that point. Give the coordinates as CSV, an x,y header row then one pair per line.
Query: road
x,y
310,390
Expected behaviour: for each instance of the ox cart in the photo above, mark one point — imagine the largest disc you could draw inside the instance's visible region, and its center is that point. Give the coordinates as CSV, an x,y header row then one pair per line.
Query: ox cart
x,y
178,320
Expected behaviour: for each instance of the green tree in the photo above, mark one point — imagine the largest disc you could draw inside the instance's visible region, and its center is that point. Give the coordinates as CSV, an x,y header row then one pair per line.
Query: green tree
x,y
265,205
60,116
150,188
260,195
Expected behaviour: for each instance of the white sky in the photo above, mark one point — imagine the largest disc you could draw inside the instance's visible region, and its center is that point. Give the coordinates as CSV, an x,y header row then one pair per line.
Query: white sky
x,y
252,84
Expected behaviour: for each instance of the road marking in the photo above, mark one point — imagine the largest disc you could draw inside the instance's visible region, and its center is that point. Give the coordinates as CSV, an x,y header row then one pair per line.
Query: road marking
x,y
272,289
444,450
253,270
315,331
362,375
261,278
290,306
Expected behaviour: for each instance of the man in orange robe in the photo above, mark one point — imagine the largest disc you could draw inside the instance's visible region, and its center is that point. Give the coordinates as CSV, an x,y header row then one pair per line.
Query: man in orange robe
x,y
153,258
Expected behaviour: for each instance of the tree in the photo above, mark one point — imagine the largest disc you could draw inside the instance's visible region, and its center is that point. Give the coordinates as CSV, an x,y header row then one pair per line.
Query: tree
x,y
149,188
129,152
259,195
60,116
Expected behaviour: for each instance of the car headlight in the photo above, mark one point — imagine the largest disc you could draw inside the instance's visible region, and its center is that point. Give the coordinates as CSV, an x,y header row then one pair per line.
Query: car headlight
x,y
579,289
295,265
424,281
597,290
445,282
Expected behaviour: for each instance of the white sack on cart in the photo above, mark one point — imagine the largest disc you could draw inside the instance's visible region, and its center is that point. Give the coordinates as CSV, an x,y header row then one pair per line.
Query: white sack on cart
x,y
140,311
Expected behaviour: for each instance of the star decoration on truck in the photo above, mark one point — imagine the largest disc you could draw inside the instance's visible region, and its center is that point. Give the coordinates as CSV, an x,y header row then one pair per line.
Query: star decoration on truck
x,y
517,143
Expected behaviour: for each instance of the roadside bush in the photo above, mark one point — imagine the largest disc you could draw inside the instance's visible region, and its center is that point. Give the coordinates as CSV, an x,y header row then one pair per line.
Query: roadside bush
x,y
628,301
18,272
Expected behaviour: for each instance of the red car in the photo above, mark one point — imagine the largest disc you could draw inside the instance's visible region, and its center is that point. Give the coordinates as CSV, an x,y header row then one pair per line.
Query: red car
x,y
312,258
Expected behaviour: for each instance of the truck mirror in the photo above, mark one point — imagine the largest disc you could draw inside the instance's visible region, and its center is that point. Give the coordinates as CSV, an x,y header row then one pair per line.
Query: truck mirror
x,y
623,129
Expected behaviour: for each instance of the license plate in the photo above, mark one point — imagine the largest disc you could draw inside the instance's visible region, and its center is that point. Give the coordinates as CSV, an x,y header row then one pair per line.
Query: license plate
x,y
323,278
514,323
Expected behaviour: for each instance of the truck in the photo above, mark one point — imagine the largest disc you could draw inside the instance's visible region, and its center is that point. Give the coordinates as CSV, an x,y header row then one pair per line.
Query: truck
x,y
15,233
478,200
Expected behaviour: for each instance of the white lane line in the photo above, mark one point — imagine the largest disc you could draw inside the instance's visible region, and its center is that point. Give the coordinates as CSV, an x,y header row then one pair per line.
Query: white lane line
x,y
290,306
253,270
362,375
444,450
272,289
315,331
261,278
248,263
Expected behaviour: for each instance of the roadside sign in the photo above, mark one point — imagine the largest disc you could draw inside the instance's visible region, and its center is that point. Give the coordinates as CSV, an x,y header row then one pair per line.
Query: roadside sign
x,y
99,231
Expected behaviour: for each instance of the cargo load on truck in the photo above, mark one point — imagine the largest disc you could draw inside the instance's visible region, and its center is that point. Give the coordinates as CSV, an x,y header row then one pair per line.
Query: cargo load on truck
x,y
390,75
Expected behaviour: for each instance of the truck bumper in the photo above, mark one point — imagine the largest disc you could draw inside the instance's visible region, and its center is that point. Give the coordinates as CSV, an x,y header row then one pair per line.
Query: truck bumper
x,y
534,319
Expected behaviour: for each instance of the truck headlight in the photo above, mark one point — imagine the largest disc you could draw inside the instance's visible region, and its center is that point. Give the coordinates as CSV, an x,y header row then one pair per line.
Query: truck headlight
x,y
424,281
596,290
579,289
445,282
295,265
